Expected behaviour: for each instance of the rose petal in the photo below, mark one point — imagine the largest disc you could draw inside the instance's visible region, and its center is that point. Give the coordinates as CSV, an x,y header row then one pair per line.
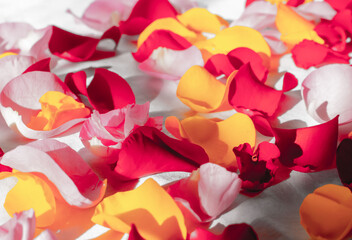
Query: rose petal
x,y
148,207
217,137
71,175
170,64
301,149
134,234
240,231
144,13
42,65
316,11
148,151
20,101
21,226
107,91
344,162
76,48
160,38
31,192
327,212
325,99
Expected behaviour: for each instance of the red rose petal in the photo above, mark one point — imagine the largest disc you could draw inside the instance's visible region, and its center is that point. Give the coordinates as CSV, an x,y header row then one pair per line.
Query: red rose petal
x,y
76,48
309,149
160,38
344,162
148,151
144,13
42,65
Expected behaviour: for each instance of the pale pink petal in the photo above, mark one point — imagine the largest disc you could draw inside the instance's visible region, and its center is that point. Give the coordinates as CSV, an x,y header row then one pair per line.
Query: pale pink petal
x,y
6,184
183,5
171,64
19,101
24,39
14,65
327,93
314,11
104,133
72,176
217,188
21,226
258,15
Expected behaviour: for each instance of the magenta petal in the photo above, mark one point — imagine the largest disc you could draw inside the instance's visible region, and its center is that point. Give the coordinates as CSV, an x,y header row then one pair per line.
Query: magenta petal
x,y
144,13
219,64
344,162
72,176
134,234
42,65
160,38
309,149
148,151
247,92
240,231
107,91
21,226
76,48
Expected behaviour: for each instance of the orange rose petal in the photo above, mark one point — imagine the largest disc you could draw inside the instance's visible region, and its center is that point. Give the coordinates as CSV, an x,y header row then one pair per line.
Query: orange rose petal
x,y
327,212
149,207
235,37
57,109
293,27
172,25
31,192
202,92
217,137
201,20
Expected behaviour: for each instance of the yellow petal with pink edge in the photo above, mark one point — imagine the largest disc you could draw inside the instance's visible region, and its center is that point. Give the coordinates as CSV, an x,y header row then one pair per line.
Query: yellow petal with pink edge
x,y
5,54
57,109
31,192
201,20
149,207
217,137
172,25
293,27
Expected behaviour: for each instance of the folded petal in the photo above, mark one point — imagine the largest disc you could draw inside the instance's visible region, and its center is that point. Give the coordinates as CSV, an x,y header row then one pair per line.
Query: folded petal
x,y
325,99
217,137
301,149
111,128
148,151
31,192
308,54
21,226
327,213
107,91
76,48
20,101
144,13
148,207
66,170
160,39
293,27
202,92
344,162
208,191
241,231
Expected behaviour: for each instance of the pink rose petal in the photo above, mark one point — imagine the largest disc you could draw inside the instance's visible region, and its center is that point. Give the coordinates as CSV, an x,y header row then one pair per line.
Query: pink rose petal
x,y
21,226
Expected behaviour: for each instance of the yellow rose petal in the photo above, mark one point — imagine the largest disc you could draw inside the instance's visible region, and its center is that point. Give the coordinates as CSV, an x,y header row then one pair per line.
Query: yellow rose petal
x,y
57,109
293,27
201,20
5,54
149,207
217,137
31,192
